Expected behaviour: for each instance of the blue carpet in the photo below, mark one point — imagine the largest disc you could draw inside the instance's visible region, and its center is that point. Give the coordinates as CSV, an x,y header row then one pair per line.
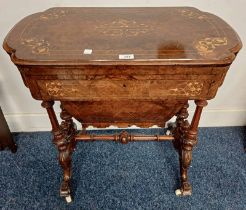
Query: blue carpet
x,y
139,175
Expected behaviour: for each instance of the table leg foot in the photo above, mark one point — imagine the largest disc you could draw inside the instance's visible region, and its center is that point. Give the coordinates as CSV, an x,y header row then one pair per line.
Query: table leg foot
x,y
65,191
185,190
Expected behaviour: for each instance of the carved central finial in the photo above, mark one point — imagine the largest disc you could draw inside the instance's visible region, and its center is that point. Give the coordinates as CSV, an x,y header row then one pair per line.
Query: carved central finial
x,y
124,137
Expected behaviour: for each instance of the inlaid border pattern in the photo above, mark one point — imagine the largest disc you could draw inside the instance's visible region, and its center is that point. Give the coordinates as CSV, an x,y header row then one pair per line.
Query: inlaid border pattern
x,y
122,27
53,14
192,14
63,89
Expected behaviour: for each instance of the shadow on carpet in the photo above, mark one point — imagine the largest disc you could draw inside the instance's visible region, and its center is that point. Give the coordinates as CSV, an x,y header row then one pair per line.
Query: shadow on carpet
x,y
139,175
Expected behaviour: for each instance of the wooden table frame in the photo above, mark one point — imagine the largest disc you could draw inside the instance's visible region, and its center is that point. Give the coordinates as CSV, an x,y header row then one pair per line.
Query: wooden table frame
x,y
183,135
123,66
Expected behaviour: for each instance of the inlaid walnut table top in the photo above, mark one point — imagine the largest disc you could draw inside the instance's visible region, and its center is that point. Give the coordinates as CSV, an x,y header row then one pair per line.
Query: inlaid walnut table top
x,y
123,66
163,35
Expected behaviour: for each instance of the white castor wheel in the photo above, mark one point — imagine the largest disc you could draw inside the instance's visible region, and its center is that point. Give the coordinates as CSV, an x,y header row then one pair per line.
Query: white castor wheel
x,y
68,199
178,192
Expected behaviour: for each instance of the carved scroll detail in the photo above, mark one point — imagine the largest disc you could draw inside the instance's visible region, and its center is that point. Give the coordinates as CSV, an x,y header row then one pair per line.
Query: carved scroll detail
x,y
208,45
39,46
124,27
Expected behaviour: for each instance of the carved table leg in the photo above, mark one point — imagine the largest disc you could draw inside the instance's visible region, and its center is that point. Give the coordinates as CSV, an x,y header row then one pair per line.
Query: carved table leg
x,y
188,140
65,142
178,130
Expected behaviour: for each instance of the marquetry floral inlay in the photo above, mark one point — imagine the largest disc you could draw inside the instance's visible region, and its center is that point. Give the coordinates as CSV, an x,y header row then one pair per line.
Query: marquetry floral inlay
x,y
208,45
38,46
192,14
53,14
56,88
192,88
124,27
67,89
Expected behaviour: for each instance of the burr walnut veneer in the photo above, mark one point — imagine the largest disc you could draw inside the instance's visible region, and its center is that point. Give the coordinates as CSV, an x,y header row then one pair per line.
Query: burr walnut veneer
x,y
123,66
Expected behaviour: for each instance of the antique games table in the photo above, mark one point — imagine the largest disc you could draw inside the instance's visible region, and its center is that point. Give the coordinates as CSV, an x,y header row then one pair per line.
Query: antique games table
x,y
123,66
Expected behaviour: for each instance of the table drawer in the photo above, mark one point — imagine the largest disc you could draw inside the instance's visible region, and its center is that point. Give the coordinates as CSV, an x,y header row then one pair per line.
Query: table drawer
x,y
121,89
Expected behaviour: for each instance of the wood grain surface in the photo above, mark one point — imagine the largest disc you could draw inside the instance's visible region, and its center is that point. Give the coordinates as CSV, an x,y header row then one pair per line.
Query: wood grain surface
x,y
163,35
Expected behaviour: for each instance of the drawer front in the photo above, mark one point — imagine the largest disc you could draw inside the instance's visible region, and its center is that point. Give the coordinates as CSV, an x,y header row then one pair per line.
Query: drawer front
x,y
122,89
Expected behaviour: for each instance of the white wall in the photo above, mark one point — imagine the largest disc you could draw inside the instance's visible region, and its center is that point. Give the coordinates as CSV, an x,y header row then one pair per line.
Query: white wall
x,y
25,114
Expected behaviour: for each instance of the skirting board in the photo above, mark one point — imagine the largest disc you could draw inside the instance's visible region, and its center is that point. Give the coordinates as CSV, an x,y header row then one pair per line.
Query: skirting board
x,y
210,118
